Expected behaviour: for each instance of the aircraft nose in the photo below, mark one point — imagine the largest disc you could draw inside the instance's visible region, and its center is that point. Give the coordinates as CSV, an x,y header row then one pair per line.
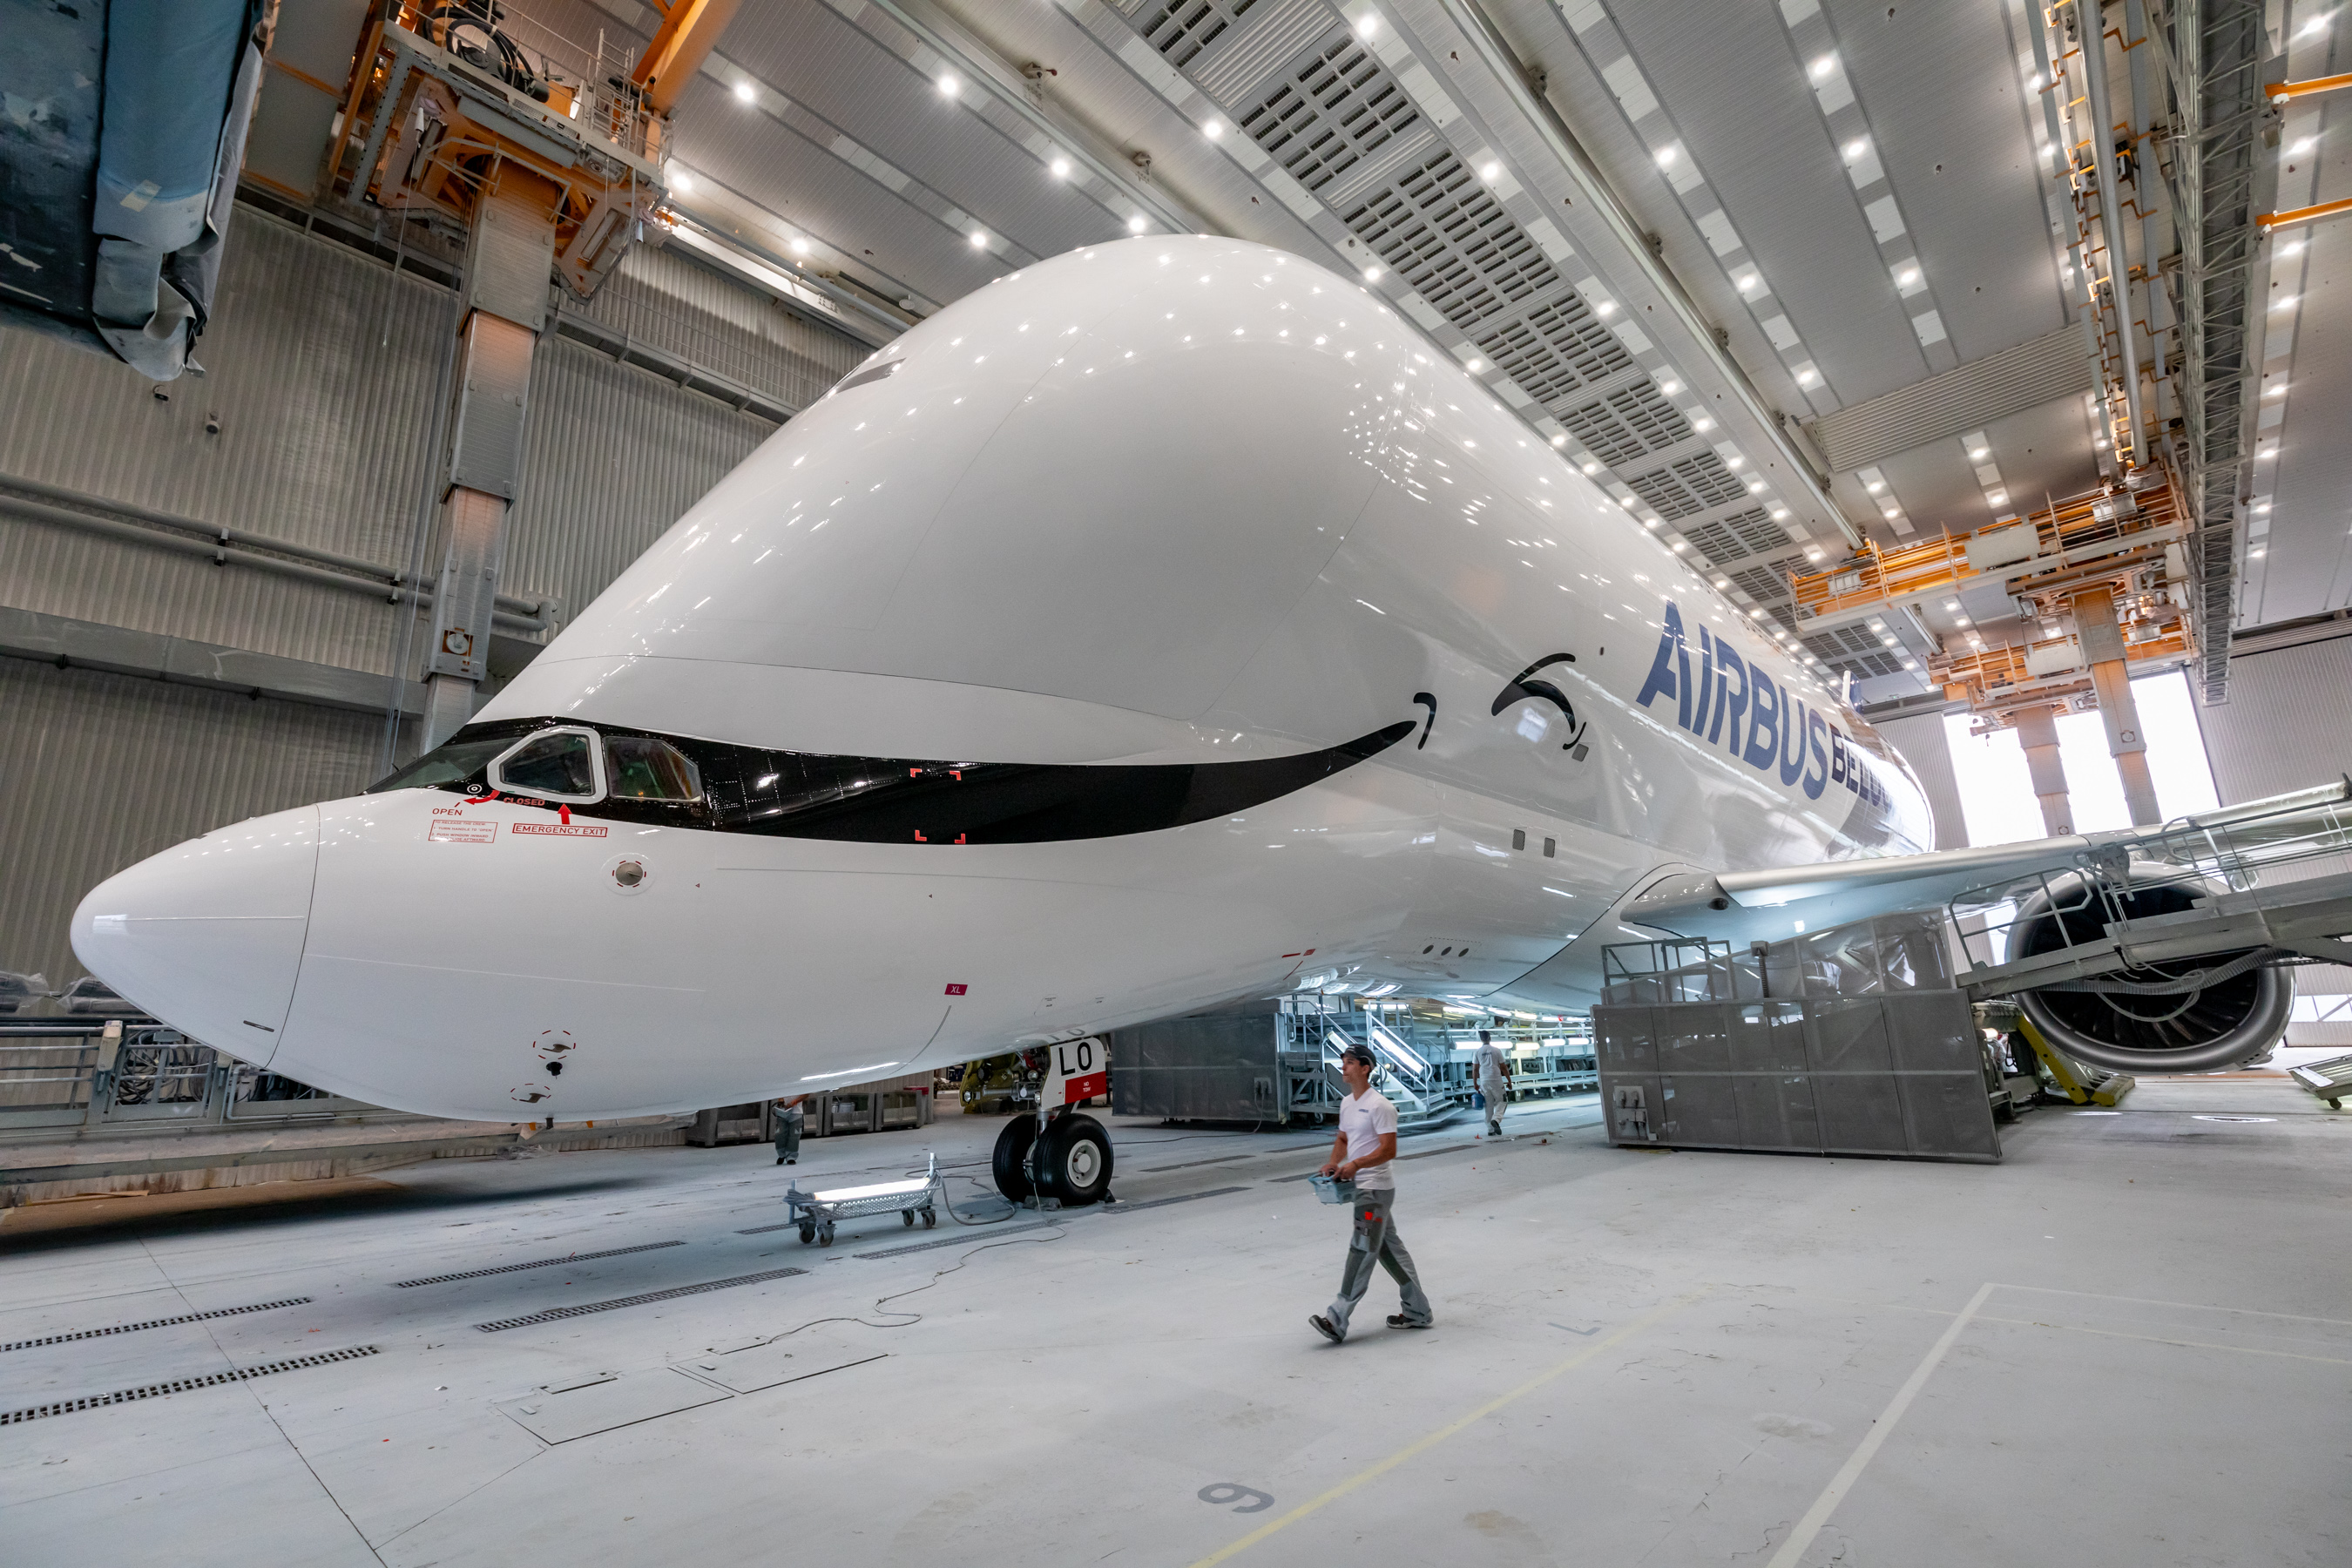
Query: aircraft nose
x,y
208,936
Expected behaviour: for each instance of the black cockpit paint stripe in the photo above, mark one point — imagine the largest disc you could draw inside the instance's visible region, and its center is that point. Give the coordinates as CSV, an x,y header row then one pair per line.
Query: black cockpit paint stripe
x,y
902,800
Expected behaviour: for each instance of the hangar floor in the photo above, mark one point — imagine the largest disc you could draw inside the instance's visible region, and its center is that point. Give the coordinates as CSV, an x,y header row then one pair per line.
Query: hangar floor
x,y
2127,1344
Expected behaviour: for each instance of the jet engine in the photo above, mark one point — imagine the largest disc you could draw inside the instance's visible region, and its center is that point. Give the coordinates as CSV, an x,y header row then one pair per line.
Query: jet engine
x,y
2215,1010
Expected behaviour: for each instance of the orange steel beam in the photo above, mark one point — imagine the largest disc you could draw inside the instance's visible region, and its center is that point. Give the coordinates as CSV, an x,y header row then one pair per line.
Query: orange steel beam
x,y
2276,90
2303,215
689,30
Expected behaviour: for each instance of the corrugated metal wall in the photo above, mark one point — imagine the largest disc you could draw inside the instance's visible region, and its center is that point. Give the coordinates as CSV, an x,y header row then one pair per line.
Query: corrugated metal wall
x,y
1924,744
612,455
2283,728
98,771
322,367
664,299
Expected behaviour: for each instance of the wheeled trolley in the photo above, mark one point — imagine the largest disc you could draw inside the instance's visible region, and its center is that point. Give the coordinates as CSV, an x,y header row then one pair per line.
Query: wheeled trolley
x,y
817,1212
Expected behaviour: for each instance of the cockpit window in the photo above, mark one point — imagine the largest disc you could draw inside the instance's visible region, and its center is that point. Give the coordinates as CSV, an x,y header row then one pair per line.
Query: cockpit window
x,y
560,765
638,767
465,759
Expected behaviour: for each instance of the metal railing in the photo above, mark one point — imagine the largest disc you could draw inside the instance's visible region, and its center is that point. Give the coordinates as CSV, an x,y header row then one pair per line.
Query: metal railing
x,y
2178,874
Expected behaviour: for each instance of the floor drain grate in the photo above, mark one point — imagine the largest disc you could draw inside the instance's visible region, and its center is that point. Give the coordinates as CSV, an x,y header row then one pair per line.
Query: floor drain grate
x,y
152,1324
180,1385
542,1263
555,1315
764,1229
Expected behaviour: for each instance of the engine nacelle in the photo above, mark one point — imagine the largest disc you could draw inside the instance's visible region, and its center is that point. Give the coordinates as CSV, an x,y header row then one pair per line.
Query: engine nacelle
x,y
2185,1029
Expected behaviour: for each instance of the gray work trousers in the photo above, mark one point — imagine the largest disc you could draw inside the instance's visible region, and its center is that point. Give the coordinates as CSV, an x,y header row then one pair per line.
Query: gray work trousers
x,y
1375,1237
1497,1097
789,1122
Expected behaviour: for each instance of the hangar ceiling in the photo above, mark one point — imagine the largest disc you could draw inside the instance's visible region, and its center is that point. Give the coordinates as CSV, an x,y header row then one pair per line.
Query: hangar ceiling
x,y
1780,276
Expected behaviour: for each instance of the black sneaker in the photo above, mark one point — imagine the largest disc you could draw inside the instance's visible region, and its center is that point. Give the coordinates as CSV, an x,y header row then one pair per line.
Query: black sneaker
x,y
1323,1326
1398,1320
791,1162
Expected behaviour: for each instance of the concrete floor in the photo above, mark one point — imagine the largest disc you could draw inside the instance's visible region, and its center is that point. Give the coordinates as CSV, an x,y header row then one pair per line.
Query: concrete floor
x,y
2127,1344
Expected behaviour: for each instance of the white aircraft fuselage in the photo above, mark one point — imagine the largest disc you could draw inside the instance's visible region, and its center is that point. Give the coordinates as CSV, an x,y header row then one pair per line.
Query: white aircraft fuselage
x,y
1162,625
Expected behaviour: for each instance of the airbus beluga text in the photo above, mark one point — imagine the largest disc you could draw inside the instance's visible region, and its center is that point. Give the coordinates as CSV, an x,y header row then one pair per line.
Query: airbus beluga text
x,y
1164,624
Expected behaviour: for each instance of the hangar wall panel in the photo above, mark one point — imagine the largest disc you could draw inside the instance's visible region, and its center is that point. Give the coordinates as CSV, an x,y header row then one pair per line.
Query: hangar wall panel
x,y
613,456
1924,744
2281,729
662,299
99,770
322,367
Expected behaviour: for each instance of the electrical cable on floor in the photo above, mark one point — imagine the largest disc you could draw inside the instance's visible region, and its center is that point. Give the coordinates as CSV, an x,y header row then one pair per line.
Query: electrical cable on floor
x,y
1052,1226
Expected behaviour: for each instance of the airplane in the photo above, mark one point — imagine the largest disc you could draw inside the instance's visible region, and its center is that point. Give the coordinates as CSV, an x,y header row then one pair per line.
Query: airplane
x,y
1163,625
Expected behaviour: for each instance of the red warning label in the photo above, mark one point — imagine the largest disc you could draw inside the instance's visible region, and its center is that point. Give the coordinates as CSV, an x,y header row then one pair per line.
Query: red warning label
x,y
448,830
560,830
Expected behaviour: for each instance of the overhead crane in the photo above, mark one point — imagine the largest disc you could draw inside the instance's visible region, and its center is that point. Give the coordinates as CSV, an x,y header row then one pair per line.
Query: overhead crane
x,y
548,156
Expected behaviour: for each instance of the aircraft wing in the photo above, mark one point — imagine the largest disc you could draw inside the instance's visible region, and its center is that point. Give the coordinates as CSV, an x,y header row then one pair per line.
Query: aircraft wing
x,y
1763,904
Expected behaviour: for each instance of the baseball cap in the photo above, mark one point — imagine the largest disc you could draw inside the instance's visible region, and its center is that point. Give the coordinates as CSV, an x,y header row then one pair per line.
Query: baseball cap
x,y
1359,1053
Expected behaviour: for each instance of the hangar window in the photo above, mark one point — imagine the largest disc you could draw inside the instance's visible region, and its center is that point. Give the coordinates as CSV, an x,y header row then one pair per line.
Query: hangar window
x,y
554,764
638,767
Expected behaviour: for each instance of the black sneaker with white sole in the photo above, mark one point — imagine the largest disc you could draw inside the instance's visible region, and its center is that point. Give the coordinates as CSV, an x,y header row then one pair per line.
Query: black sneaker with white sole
x,y
1323,1326
1398,1320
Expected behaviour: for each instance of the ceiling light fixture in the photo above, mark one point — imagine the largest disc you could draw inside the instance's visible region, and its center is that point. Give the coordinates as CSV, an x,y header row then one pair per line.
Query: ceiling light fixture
x,y
1371,274
1978,454
1856,148
1591,467
746,92
1821,68
1666,157
1060,168
1874,486
948,85
1702,423
1491,173
1809,376
1367,25
1136,225
1670,387
1213,129
980,239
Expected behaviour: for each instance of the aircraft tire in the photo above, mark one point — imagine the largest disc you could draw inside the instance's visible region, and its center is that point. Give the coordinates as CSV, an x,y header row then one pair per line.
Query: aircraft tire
x,y
1011,1148
1073,1164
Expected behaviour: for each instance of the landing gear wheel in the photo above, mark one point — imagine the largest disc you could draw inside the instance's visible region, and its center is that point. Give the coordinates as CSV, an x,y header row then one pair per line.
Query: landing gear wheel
x,y
1073,1161
930,1219
808,1234
1011,1149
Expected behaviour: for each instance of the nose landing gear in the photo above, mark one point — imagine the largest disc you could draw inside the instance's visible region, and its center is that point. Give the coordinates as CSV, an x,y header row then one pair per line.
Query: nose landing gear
x,y
1070,1162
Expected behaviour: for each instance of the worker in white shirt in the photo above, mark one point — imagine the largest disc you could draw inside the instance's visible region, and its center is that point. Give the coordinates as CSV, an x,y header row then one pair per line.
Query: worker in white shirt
x,y
1362,1153
1493,1081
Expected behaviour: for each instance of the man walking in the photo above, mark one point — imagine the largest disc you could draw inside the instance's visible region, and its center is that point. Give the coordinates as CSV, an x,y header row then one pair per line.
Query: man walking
x,y
790,1120
1493,1081
1362,1153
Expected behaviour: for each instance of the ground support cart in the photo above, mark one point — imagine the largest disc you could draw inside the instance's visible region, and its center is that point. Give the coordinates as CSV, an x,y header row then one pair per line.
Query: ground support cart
x,y
817,1212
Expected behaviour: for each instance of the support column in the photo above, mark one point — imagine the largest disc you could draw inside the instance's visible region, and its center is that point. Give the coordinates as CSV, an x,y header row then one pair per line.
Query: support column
x,y
510,257
2103,648
2037,730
